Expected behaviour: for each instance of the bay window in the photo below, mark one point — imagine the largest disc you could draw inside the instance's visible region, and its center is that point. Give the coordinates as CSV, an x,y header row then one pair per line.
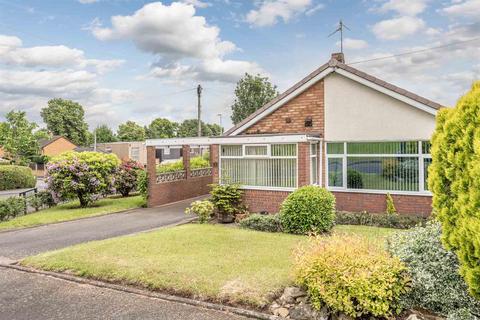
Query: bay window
x,y
400,166
268,165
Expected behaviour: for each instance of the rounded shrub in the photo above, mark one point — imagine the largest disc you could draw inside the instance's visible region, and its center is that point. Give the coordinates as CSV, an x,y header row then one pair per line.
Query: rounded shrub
x,y
352,275
308,209
262,222
126,177
436,282
16,177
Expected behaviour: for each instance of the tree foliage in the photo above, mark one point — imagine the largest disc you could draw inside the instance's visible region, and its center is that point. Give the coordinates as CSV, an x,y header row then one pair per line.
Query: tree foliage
x,y
17,137
105,134
189,127
66,118
454,179
251,93
131,131
161,128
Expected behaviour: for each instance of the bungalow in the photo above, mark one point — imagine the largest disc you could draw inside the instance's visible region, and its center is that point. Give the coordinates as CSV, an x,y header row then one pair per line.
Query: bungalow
x,y
339,127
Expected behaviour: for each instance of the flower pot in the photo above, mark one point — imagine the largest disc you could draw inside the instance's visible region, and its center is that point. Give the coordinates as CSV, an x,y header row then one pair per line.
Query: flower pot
x,y
225,218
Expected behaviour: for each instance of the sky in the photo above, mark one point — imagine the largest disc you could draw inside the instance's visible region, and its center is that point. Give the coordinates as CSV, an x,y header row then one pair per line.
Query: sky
x,y
139,60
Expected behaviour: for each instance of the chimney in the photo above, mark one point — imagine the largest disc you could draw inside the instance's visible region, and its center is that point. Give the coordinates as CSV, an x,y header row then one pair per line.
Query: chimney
x,y
338,56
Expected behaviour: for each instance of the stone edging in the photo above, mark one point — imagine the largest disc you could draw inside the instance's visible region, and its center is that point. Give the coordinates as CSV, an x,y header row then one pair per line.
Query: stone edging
x,y
145,293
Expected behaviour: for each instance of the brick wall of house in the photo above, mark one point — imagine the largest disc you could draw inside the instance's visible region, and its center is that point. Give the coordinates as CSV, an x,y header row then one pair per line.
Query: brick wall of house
x,y
290,118
264,200
58,146
376,203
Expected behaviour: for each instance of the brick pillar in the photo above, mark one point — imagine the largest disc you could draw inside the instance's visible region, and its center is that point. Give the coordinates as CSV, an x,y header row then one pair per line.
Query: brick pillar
x,y
186,160
151,170
214,161
303,164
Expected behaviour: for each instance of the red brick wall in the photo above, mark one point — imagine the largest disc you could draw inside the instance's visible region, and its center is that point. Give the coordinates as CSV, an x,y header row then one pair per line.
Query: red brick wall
x,y
310,103
264,200
376,203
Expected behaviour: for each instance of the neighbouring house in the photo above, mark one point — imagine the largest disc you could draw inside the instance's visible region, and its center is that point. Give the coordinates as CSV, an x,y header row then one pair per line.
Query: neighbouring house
x,y
126,150
55,146
339,127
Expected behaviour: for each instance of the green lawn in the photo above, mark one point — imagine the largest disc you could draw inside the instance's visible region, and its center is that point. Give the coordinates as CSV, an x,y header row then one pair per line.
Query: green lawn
x,y
209,262
72,211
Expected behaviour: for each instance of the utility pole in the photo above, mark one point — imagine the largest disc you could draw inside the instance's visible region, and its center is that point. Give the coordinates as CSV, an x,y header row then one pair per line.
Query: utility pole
x,y
340,28
220,121
199,95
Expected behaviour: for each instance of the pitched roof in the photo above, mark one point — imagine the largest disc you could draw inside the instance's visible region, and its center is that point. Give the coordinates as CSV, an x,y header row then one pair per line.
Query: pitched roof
x,y
45,142
334,66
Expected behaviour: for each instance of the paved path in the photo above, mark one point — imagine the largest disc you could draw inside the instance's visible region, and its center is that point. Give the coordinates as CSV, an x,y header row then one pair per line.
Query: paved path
x,y
21,243
26,296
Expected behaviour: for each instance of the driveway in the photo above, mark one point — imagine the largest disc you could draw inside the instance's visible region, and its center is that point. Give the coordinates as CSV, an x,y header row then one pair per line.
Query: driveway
x,y
21,243
32,296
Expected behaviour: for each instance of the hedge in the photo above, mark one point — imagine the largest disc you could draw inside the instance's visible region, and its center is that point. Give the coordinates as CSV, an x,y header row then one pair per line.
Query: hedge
x,y
16,177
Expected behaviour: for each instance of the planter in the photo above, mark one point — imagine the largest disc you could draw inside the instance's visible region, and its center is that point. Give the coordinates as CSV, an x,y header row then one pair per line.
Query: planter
x,y
225,218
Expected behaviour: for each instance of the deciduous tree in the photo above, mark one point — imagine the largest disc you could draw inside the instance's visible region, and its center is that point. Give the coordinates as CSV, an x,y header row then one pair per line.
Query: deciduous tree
x,y
17,137
104,134
131,131
162,128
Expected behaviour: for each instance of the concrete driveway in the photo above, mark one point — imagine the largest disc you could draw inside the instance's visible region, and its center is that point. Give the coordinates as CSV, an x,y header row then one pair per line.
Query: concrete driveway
x,y
21,243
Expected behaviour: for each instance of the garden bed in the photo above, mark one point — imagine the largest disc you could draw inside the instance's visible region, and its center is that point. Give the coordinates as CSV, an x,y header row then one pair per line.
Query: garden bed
x,y
71,211
207,262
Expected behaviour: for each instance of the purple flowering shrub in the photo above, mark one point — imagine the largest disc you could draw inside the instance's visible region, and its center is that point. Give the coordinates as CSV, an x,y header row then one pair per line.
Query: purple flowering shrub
x,y
83,175
126,177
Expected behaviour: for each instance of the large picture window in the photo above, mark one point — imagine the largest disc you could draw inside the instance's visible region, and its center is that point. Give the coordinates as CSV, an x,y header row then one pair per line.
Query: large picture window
x,y
272,166
379,166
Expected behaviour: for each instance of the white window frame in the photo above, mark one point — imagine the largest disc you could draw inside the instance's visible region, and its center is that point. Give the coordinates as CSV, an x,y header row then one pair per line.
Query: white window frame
x,y
315,156
243,156
268,155
421,174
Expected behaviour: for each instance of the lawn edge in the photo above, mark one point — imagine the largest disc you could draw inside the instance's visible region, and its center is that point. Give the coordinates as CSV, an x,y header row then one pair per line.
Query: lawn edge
x,y
143,292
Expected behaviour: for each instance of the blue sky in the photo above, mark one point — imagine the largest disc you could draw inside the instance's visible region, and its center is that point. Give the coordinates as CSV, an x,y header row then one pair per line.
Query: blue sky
x,y
138,60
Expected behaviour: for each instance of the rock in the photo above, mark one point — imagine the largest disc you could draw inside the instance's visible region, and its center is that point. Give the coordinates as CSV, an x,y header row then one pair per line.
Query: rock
x,y
413,316
304,311
274,306
341,316
281,312
290,294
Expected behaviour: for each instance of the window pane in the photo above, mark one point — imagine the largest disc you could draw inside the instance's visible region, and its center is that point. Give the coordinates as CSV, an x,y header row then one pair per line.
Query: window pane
x,y
260,172
335,172
232,151
335,148
314,149
284,150
405,147
314,170
426,145
256,150
385,173
426,163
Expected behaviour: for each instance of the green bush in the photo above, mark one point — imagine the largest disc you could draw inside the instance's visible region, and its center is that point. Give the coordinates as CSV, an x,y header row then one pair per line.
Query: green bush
x,y
41,200
16,177
437,284
199,162
353,276
308,209
379,220
454,180
195,163
390,205
126,177
227,199
203,209
142,184
262,222
11,208
83,175
354,179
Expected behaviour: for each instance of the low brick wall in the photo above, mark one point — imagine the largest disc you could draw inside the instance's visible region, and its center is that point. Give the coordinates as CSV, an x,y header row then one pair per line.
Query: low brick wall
x,y
375,203
167,192
270,201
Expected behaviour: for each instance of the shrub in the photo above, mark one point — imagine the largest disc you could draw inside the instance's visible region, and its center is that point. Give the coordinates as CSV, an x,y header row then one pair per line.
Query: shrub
x,y
354,179
353,276
308,209
195,163
379,220
199,162
227,199
262,222
16,177
142,183
126,177
11,208
203,209
437,284
454,179
390,205
46,199
84,175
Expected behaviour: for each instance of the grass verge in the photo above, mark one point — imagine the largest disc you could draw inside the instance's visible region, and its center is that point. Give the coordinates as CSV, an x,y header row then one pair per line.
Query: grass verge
x,y
207,262
71,211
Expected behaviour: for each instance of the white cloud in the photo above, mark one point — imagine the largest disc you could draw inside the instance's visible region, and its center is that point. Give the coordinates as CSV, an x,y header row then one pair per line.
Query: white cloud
x,y
398,28
405,7
468,8
197,3
312,11
270,12
353,44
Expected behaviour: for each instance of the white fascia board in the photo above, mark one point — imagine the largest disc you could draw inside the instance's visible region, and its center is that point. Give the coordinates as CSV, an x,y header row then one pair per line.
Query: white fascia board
x,y
281,102
388,92
245,139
